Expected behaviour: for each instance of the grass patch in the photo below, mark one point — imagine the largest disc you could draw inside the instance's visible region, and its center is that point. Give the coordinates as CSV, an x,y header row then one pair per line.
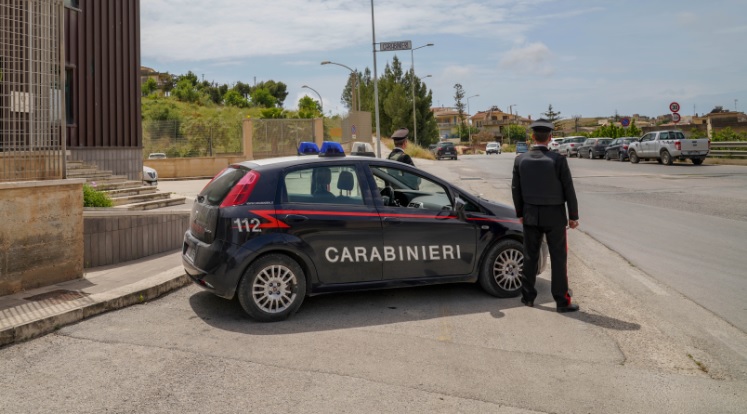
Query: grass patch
x,y
95,198
413,150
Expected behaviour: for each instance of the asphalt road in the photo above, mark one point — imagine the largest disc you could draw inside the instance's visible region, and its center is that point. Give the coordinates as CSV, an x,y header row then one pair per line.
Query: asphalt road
x,y
637,345
684,225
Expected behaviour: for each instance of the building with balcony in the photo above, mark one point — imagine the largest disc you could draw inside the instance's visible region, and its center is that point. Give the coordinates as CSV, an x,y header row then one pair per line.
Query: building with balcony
x,y
494,122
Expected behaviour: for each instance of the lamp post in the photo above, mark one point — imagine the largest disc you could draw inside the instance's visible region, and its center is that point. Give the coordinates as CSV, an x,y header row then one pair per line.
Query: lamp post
x,y
321,103
412,72
469,129
357,95
467,98
376,83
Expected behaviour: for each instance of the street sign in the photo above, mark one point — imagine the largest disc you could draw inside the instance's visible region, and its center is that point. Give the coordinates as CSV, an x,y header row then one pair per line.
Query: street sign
x,y
392,46
625,122
353,129
674,107
676,117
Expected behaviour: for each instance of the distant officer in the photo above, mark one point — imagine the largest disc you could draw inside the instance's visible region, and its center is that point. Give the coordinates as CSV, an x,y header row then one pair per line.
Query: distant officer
x,y
541,187
400,143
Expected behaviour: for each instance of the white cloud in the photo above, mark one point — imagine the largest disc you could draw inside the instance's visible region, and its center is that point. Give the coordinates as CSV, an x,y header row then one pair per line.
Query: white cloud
x,y
533,58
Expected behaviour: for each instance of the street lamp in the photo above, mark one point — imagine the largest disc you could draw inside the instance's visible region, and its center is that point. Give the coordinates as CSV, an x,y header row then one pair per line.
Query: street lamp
x,y
356,96
469,129
321,103
376,82
473,96
412,68
510,119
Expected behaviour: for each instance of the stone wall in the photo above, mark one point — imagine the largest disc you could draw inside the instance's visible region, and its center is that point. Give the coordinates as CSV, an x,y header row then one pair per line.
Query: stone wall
x,y
41,238
115,236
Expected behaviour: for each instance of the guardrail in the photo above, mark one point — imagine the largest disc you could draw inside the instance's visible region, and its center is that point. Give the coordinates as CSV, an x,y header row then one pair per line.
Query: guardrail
x,y
729,153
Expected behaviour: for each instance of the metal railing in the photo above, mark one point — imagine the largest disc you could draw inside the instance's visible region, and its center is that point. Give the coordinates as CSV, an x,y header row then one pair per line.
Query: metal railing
x,y
32,92
741,147
192,138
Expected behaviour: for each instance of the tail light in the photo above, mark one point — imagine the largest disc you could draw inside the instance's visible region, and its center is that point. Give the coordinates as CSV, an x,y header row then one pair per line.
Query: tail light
x,y
240,192
573,145
678,145
625,147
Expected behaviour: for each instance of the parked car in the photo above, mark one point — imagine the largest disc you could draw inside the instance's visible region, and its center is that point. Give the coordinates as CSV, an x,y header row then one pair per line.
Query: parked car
x,y
521,147
445,149
274,231
666,146
593,148
493,148
156,156
618,148
150,176
555,144
569,146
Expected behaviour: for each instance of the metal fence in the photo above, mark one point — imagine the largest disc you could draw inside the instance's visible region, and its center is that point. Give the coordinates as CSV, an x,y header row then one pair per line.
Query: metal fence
x,y
718,150
192,138
32,95
280,137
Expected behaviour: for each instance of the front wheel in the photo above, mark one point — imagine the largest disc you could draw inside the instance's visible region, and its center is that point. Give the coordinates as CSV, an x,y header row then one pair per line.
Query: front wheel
x,y
633,157
607,156
501,271
272,289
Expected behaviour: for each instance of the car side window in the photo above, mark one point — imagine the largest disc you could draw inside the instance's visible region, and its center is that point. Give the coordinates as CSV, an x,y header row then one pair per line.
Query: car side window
x,y
646,137
664,135
409,190
323,185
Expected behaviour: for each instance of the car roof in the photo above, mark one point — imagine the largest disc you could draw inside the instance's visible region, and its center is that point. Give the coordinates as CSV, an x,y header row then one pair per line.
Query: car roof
x,y
292,161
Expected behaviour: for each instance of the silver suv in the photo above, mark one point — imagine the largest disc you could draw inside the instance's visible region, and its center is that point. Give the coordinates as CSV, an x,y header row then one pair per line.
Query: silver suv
x,y
570,145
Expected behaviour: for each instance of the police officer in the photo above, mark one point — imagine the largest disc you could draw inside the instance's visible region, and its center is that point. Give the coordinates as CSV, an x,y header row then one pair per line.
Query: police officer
x,y
400,143
541,187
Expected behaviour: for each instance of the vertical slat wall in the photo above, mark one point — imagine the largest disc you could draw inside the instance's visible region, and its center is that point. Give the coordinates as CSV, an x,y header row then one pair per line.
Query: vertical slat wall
x,y
104,56
31,90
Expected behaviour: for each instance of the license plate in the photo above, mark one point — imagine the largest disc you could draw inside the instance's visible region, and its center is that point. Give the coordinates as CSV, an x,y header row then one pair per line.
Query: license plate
x,y
191,253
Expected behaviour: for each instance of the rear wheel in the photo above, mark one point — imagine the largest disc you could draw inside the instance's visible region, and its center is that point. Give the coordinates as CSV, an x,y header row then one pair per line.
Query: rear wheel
x,y
607,156
500,275
273,288
633,157
666,157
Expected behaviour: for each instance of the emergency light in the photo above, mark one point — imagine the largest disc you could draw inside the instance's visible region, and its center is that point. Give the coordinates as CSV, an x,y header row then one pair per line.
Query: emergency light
x,y
307,148
331,149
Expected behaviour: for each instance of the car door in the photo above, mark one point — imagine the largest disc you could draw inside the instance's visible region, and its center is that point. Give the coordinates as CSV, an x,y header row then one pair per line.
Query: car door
x,y
333,220
422,235
646,144
613,149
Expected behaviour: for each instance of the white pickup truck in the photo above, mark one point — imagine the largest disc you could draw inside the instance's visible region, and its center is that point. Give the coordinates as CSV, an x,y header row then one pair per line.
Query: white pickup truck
x,y
666,146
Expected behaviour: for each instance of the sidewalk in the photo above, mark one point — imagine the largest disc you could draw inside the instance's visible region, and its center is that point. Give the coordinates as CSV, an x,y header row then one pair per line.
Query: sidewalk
x,y
36,312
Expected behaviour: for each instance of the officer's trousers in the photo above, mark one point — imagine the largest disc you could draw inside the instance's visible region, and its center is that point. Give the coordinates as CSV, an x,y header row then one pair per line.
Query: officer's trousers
x,y
558,246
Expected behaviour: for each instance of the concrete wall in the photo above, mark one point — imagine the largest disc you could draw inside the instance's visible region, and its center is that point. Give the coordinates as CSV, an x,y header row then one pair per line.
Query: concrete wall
x,y
114,236
41,238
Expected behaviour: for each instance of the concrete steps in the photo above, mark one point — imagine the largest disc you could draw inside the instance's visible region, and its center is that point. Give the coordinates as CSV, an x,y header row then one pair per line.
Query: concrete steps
x,y
125,194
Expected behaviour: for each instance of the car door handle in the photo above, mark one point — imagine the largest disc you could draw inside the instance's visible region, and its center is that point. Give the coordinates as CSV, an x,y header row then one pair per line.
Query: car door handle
x,y
392,220
295,218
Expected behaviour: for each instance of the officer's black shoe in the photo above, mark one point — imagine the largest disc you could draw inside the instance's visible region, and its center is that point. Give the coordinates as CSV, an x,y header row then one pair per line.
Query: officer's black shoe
x,y
526,302
572,307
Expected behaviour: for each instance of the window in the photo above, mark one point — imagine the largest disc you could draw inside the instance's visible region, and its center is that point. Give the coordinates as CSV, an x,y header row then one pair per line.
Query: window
x,y
326,185
664,135
72,3
409,188
69,110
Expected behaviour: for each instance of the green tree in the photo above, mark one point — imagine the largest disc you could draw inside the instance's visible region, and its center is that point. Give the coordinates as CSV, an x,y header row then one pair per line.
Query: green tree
x,y
272,113
397,108
234,98
149,87
458,96
185,91
551,115
277,89
309,108
263,98
515,133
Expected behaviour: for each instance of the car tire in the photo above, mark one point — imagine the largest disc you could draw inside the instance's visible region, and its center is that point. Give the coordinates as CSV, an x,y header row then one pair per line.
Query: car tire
x,y
621,157
666,157
501,275
607,156
272,288
591,154
633,157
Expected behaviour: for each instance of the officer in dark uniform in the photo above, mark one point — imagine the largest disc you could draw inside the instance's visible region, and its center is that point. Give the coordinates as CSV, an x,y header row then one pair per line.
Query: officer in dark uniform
x,y
400,143
541,187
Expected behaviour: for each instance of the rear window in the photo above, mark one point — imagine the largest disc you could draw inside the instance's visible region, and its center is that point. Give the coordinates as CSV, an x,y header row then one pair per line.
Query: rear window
x,y
217,189
605,141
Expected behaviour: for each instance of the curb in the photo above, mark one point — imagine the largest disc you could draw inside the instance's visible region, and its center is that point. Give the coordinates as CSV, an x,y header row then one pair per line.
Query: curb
x,y
95,304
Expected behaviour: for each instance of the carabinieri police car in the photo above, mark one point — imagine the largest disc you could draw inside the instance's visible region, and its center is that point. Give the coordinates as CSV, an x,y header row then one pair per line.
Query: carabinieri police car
x,y
274,231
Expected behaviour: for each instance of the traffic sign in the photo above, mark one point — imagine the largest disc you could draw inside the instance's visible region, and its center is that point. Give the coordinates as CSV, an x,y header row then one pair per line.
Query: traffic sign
x,y
676,117
353,129
625,122
674,107
392,46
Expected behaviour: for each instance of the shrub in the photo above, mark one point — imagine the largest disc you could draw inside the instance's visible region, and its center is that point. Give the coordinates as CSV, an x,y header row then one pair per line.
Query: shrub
x,y
95,198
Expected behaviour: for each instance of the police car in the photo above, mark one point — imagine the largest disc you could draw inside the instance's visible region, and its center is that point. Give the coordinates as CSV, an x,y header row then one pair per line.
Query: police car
x,y
273,231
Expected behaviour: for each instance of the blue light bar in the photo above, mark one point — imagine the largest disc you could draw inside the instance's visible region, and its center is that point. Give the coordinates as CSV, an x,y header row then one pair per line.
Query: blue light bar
x,y
331,149
308,148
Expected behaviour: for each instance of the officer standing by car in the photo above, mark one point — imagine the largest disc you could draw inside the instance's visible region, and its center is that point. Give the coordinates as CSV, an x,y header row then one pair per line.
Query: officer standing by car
x,y
400,143
541,187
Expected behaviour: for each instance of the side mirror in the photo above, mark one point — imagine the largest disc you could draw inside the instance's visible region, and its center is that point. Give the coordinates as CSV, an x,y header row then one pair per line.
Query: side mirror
x,y
459,208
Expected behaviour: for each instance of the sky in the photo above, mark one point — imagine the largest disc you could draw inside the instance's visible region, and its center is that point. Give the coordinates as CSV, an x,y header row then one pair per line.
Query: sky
x,y
593,58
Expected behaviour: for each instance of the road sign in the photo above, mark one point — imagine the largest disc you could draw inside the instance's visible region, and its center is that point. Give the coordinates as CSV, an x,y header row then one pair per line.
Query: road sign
x,y
676,117
674,107
392,46
625,122
353,129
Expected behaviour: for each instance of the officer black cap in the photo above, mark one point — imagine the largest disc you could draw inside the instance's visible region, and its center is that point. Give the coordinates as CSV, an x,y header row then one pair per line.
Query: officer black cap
x,y
542,125
400,134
